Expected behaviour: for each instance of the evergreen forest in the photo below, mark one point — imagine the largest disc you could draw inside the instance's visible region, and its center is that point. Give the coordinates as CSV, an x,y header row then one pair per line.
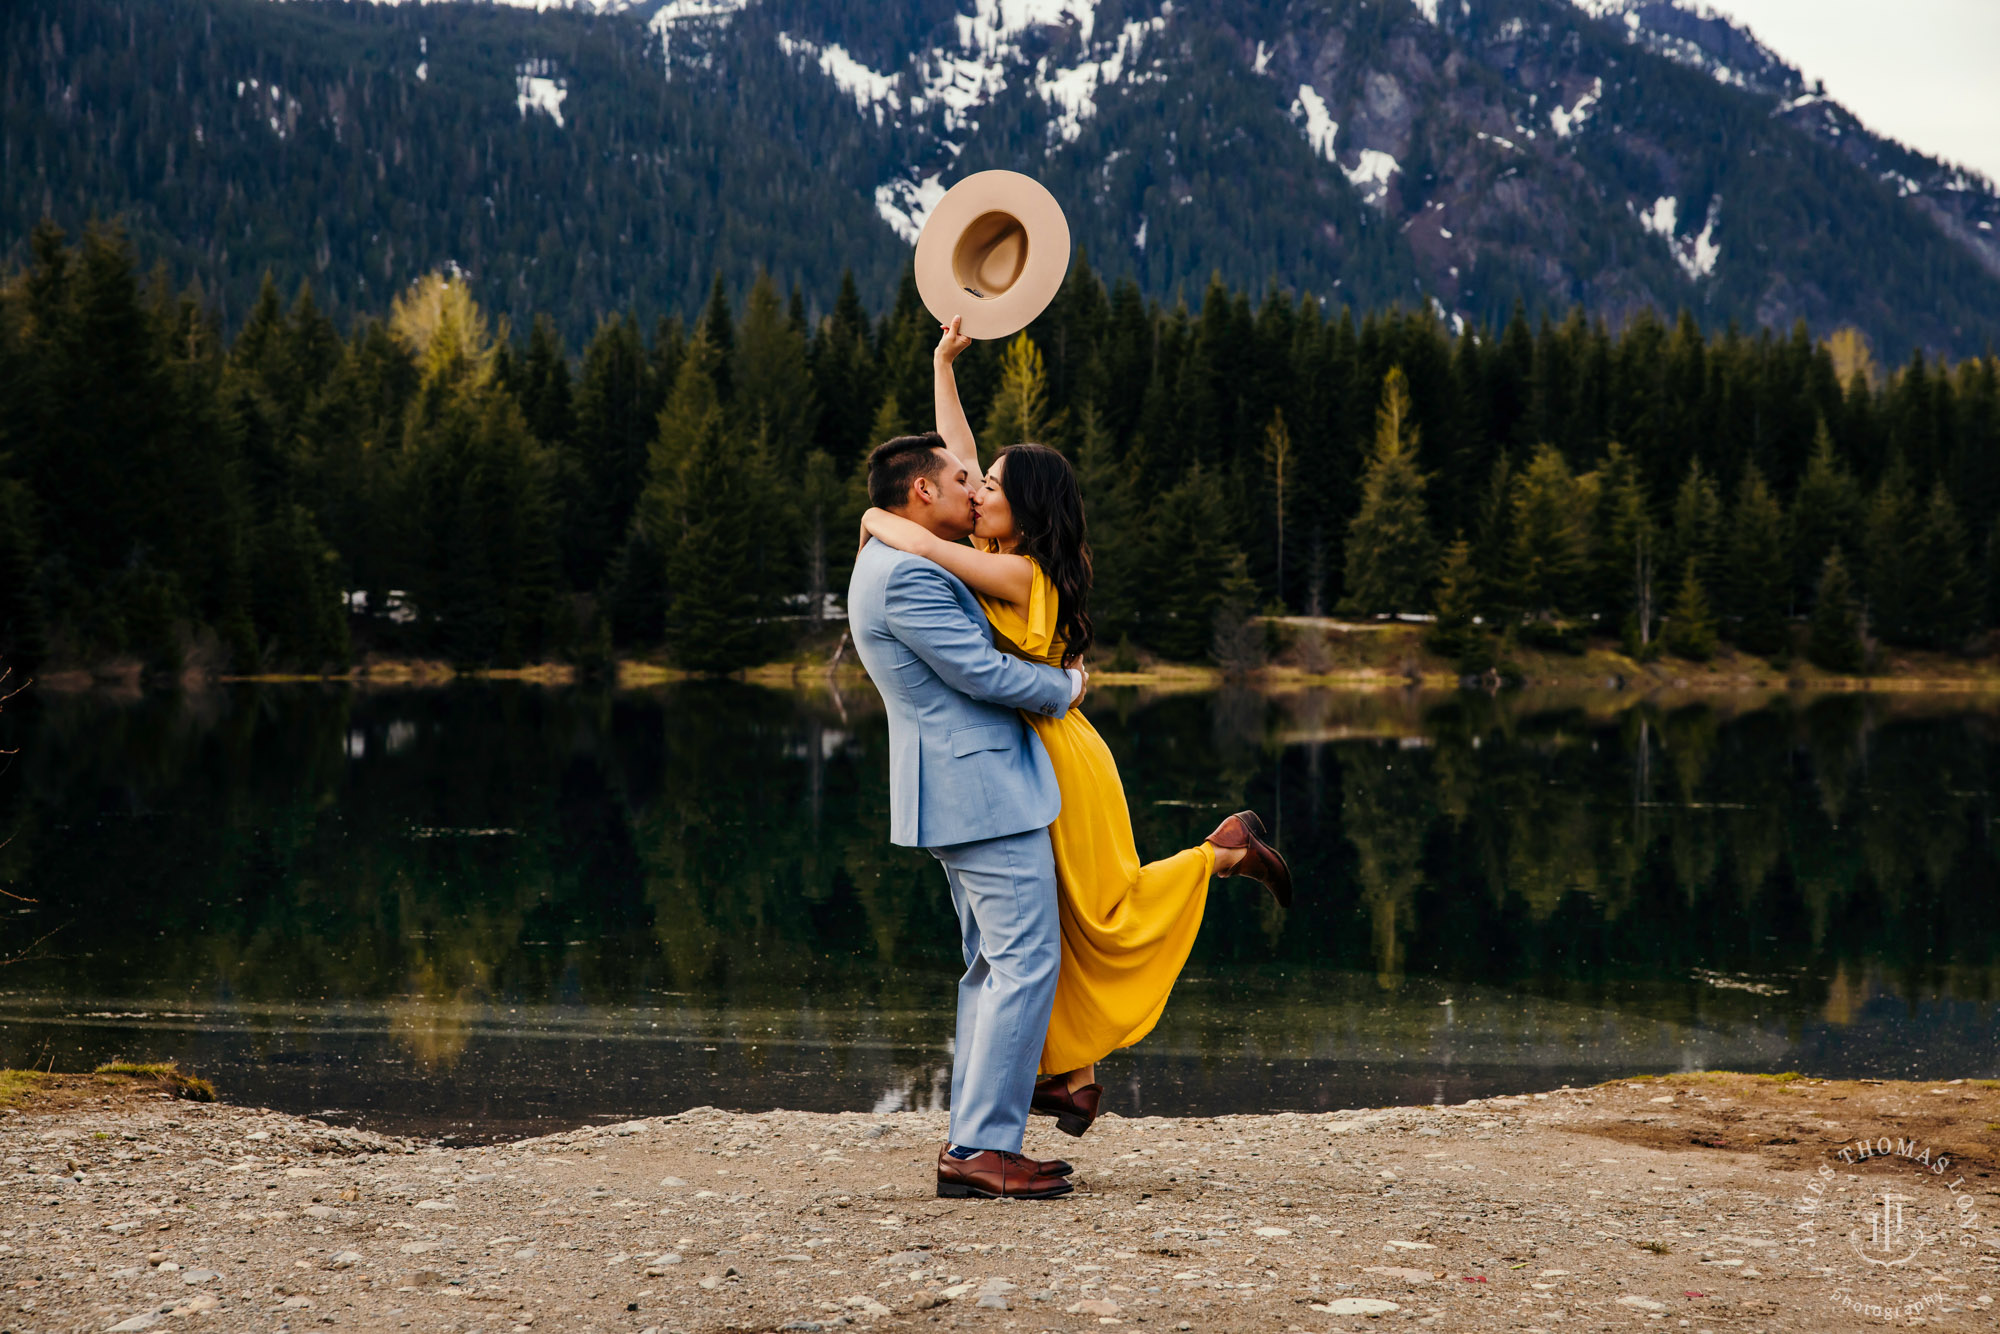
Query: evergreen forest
x,y
428,480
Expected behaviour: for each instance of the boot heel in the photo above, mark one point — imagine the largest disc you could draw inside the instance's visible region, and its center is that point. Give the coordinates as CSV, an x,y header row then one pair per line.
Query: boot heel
x,y
1073,1126
952,1190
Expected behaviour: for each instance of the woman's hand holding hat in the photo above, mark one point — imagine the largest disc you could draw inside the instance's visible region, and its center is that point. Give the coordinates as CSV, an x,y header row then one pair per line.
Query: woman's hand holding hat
x,y
951,342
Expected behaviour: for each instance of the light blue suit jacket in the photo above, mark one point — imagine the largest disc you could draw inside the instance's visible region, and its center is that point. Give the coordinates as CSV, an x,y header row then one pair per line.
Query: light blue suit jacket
x,y
962,763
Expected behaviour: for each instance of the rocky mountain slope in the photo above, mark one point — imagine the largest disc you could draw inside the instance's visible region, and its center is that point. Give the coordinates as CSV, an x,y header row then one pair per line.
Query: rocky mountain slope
x,y
1464,154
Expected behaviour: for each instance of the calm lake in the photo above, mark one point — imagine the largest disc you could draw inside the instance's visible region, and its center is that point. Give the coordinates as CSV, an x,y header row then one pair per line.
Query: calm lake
x,y
485,909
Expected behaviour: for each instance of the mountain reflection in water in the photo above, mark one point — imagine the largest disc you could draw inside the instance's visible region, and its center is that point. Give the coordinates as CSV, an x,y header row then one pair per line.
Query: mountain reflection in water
x,y
506,907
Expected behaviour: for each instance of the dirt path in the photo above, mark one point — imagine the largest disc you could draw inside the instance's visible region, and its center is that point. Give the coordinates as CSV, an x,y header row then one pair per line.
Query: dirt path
x,y
1694,1202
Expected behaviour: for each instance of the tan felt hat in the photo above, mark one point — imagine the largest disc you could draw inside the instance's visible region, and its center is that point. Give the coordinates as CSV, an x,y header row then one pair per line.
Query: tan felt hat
x,y
993,252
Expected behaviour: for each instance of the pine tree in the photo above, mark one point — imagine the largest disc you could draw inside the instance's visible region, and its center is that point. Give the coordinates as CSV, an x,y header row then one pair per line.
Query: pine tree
x,y
634,595
1757,570
1391,554
773,383
1691,625
1941,571
706,511
1894,580
1237,645
1020,410
1834,641
1279,460
1548,556
1493,538
723,598
1189,562
1626,548
823,524
843,375
541,383
1697,524
1826,513
478,511
718,331
1117,540
295,600
604,464
23,618
1455,634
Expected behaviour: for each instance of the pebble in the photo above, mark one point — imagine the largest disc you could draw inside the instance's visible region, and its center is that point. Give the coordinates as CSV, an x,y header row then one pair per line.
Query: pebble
x,y
1405,1275
1358,1306
1642,1303
1095,1306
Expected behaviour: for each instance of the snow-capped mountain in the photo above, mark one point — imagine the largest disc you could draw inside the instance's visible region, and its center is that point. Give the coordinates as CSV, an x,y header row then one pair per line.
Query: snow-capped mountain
x,y
1460,155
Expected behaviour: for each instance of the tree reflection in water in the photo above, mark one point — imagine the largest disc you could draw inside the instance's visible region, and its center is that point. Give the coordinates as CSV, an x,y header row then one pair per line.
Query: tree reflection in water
x,y
709,859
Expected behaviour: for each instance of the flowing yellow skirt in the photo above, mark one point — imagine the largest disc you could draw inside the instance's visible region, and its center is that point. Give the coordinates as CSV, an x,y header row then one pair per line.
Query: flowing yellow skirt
x,y
1127,929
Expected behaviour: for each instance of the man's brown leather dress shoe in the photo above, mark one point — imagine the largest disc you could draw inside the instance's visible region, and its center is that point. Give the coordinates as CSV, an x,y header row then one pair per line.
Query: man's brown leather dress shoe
x,y
992,1175
1073,1109
1261,861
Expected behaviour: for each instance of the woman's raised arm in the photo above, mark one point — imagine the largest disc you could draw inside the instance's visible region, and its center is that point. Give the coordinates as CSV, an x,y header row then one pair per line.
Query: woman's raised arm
x,y
951,422
997,575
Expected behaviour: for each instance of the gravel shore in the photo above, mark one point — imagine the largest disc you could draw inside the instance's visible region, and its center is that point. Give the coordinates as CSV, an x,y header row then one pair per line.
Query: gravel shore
x,y
1702,1202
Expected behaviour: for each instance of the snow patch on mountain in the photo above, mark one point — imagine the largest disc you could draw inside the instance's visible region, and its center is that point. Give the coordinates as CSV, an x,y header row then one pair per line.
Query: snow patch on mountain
x,y
280,109
869,89
994,27
1568,120
1321,129
537,88
691,20
1074,90
1697,254
1659,219
906,204
1371,175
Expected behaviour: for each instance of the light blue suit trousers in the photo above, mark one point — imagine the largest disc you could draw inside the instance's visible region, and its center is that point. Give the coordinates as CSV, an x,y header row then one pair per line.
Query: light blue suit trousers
x,y
1005,892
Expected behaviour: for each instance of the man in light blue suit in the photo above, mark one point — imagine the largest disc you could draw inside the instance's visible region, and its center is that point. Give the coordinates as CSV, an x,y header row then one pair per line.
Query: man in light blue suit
x,y
970,784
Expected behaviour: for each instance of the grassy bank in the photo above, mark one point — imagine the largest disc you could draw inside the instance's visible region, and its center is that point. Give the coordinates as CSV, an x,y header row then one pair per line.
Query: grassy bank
x,y
1301,652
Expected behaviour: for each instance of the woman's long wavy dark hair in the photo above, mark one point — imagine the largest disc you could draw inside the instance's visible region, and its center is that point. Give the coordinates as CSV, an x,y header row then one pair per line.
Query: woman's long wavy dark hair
x,y
1041,489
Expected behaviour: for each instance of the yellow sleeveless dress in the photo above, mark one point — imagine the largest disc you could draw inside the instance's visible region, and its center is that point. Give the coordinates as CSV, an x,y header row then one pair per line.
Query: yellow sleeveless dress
x,y
1126,928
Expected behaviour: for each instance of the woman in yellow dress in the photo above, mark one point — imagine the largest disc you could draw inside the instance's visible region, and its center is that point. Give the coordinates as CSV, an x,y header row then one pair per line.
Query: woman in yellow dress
x,y
1127,928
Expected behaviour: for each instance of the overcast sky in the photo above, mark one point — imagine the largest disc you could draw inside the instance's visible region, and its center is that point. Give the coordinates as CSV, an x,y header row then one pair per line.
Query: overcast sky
x,y
1926,72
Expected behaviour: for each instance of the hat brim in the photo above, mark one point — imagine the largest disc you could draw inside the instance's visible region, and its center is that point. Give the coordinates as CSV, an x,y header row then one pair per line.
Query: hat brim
x,y
1042,273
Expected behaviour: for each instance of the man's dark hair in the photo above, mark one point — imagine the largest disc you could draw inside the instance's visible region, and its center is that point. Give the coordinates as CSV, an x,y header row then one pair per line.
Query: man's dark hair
x,y
894,464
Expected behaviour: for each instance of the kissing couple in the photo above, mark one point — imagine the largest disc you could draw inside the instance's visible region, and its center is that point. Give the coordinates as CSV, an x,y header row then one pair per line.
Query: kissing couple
x,y
1071,945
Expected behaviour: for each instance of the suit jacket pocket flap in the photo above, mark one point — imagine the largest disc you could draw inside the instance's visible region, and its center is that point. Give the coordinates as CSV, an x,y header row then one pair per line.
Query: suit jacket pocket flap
x,y
991,736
